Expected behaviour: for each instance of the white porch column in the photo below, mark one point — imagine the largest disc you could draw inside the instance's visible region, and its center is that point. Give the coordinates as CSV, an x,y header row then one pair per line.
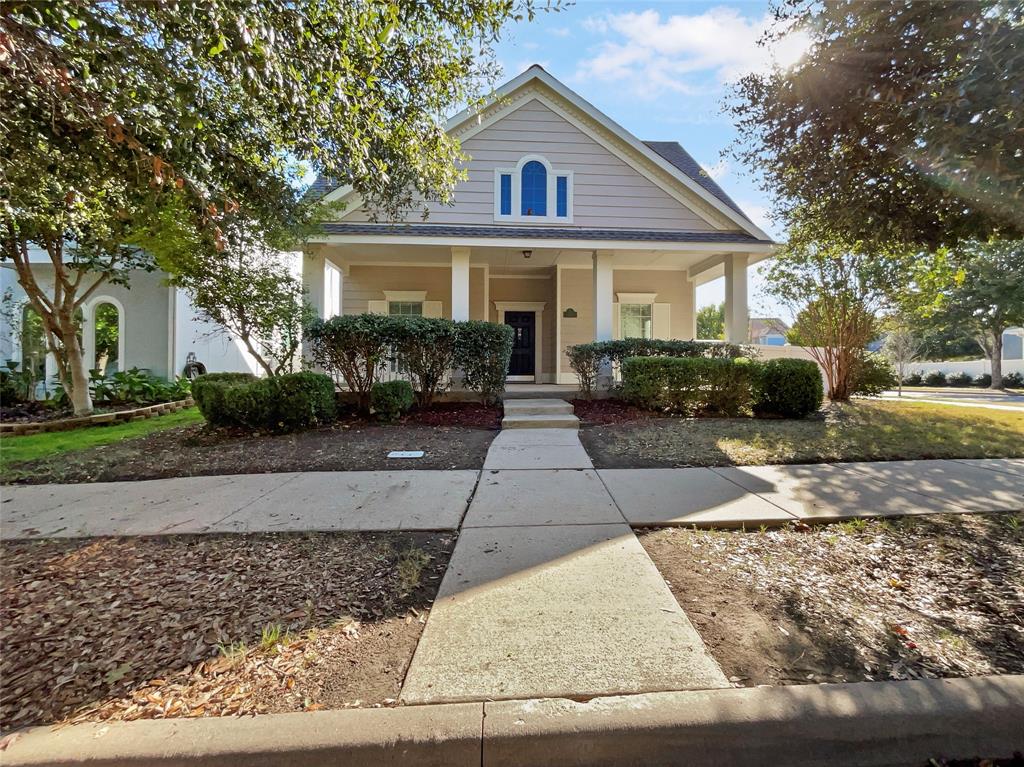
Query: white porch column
x,y
460,284
313,279
737,319
603,323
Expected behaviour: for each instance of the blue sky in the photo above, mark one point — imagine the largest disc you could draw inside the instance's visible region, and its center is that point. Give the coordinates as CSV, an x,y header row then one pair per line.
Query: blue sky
x,y
662,71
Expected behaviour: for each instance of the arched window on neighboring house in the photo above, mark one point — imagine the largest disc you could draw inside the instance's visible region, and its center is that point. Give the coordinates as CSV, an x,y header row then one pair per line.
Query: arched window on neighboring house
x,y
534,189
107,330
33,344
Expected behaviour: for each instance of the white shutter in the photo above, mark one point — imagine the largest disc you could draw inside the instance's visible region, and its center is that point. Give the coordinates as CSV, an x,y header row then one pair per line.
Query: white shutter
x,y
377,307
432,309
616,322
661,321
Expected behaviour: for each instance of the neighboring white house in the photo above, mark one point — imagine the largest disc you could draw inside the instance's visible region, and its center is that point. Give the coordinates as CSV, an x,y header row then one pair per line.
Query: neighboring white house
x,y
568,228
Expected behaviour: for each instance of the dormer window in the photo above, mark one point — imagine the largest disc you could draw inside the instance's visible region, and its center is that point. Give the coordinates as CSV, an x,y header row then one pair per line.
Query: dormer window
x,y
533,191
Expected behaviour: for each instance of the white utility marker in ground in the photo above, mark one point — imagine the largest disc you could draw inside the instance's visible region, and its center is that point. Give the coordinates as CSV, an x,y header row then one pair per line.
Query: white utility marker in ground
x,y
549,593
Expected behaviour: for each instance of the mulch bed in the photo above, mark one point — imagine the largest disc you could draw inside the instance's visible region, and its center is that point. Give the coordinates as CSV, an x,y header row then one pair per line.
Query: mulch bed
x,y
919,597
453,436
188,626
608,411
37,412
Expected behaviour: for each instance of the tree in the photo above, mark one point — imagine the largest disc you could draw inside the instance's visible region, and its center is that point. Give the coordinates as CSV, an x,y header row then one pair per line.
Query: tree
x,y
901,347
902,124
711,322
121,110
250,293
835,289
979,288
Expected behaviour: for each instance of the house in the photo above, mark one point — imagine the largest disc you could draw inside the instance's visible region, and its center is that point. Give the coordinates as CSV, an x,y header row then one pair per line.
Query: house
x,y
568,228
768,331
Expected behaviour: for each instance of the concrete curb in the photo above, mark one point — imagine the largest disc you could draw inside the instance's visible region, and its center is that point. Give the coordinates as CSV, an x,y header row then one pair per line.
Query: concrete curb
x,y
870,724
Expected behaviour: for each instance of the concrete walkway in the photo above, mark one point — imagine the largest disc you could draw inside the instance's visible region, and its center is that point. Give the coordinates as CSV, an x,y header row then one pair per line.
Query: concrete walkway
x,y
549,593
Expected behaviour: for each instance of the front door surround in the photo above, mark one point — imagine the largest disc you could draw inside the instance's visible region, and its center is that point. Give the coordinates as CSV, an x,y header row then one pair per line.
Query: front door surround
x,y
511,313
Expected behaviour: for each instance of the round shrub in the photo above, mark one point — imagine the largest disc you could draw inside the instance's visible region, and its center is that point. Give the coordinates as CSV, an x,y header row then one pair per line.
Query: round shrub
x,y
1013,380
391,399
282,403
935,378
984,380
874,375
300,400
914,379
788,387
959,379
482,352
208,392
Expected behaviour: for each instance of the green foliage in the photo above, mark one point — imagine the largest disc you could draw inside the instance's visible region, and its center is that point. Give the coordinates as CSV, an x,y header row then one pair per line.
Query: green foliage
x,y
1013,380
425,348
874,375
914,379
901,124
959,379
585,361
689,385
711,322
482,353
984,380
391,399
352,348
790,388
283,403
935,378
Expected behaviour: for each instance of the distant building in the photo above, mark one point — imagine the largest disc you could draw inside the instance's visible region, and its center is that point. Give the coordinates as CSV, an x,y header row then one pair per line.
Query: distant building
x,y
1013,344
768,331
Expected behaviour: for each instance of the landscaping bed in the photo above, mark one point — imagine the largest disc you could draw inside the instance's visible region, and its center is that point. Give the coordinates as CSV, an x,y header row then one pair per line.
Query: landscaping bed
x,y
858,431
608,411
920,597
105,629
349,444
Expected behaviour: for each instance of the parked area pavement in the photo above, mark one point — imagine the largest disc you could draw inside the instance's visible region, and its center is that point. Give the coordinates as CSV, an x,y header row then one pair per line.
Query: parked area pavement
x,y
983,398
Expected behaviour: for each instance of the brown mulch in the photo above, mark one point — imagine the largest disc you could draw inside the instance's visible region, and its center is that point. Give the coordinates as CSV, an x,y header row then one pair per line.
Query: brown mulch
x,y
37,412
470,415
188,626
608,411
920,597
349,444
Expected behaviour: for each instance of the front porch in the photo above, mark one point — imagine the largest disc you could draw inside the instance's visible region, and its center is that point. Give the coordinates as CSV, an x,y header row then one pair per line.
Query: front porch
x,y
554,294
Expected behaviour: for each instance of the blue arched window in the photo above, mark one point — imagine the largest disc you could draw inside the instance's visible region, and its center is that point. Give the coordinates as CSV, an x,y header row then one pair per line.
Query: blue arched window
x,y
534,189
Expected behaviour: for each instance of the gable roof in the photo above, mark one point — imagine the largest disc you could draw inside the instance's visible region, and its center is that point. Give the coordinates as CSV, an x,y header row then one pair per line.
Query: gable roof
x,y
667,155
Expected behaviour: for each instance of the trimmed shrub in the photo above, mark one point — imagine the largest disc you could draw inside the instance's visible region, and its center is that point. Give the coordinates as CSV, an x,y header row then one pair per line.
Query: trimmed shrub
x,y
391,400
935,378
984,380
585,361
959,379
482,352
425,347
352,347
1013,380
914,379
790,388
874,375
282,403
689,385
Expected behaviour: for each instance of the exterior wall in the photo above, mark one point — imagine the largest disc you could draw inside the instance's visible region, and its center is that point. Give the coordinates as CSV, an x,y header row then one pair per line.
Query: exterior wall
x,y
607,192
577,292
367,283
974,368
532,290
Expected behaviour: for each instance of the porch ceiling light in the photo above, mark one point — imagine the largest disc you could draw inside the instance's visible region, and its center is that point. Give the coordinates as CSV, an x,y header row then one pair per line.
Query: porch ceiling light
x,y
527,253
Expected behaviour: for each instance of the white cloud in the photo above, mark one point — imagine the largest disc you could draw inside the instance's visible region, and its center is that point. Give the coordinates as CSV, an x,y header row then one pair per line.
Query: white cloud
x,y
655,54
760,214
561,31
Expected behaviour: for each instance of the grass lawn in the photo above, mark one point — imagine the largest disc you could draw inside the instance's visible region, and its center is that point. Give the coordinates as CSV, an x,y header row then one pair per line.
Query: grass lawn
x,y
35,446
859,431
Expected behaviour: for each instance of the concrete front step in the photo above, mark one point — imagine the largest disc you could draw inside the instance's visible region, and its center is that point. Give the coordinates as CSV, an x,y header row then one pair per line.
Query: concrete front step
x,y
556,421
537,407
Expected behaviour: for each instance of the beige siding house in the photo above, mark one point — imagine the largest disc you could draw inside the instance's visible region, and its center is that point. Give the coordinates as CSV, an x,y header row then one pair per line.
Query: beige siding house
x,y
568,228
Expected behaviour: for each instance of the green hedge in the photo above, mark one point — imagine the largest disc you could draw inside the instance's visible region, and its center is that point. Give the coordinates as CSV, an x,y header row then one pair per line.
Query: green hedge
x,y
874,375
586,360
282,403
689,385
482,353
788,387
391,399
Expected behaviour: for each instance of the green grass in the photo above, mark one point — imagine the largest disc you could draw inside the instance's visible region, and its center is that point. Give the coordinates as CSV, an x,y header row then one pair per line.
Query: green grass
x,y
34,446
860,431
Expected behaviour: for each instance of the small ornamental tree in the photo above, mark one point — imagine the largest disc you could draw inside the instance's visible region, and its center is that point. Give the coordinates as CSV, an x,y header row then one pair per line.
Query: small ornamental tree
x,y
901,347
425,346
352,348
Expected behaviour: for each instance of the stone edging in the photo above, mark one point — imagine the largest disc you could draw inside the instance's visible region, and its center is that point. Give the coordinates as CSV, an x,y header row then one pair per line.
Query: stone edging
x,y
868,724
119,416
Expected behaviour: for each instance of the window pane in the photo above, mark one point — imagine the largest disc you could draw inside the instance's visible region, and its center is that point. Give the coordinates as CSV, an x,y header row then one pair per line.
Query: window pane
x,y
535,189
563,197
506,194
107,330
405,308
635,320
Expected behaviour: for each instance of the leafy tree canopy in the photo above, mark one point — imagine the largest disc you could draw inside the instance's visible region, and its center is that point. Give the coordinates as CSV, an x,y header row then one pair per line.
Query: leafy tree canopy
x,y
711,322
903,125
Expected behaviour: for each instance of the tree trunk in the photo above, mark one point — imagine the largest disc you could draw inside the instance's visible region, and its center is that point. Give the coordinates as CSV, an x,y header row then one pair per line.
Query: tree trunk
x,y
78,375
997,359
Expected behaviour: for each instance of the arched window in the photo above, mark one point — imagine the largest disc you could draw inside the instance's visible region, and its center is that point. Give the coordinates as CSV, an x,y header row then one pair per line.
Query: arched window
x,y
534,189
107,329
33,344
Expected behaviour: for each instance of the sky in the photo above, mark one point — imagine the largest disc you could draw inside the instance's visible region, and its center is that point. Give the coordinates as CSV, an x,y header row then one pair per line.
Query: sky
x,y
662,70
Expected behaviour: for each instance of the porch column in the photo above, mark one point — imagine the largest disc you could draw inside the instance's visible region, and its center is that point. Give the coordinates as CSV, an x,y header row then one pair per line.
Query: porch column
x,y
603,327
460,284
313,279
737,319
